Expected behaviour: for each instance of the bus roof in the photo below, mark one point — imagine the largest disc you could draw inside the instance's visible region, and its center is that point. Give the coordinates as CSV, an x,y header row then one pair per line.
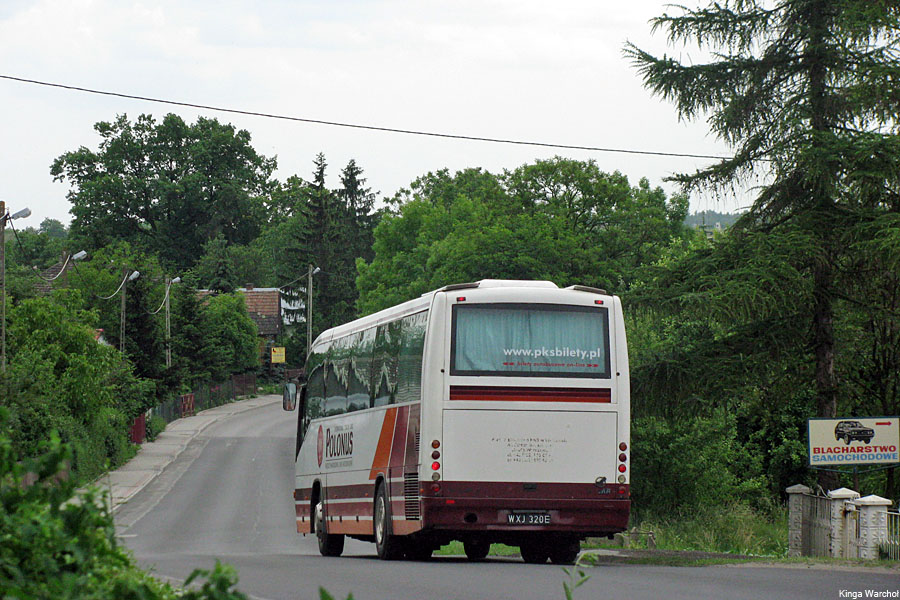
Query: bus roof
x,y
424,301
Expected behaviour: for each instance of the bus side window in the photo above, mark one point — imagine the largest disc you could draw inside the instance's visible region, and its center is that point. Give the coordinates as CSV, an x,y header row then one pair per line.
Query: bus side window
x,y
385,364
412,343
360,370
336,375
315,396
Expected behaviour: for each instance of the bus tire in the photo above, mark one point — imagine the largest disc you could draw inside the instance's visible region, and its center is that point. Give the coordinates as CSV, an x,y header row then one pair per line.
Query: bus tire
x,y
329,544
387,545
534,553
564,552
476,549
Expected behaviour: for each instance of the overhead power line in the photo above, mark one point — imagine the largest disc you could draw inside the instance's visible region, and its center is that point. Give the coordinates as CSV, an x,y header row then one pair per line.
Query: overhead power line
x,y
435,134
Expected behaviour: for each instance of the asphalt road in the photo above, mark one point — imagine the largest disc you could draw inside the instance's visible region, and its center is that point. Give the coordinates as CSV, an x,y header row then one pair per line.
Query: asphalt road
x,y
228,496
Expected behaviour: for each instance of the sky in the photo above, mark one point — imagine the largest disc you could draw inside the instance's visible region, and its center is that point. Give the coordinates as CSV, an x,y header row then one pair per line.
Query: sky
x,y
529,70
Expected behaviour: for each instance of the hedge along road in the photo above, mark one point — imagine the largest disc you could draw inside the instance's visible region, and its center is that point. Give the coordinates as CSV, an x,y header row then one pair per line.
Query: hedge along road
x,y
224,492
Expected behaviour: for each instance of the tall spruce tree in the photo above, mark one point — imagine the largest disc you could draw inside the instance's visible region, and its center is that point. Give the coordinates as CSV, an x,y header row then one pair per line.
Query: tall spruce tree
x,y
807,94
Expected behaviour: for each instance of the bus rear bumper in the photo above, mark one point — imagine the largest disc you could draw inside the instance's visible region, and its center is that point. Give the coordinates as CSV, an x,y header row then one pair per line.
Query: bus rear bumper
x,y
582,517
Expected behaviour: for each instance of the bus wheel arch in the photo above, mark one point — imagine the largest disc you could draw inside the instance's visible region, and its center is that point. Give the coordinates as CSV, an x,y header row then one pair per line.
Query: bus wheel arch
x,y
313,502
387,545
330,544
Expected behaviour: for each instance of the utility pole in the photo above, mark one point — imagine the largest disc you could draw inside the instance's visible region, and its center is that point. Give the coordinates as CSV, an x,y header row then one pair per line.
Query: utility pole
x,y
3,287
125,279
309,274
122,312
4,218
169,283
168,327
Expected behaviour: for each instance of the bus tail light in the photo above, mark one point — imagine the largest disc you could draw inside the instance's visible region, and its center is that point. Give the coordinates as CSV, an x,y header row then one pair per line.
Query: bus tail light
x,y
436,488
622,468
623,457
435,466
621,479
436,444
435,455
623,446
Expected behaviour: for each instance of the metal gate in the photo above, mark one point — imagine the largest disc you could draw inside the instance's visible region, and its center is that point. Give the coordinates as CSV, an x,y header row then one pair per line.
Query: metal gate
x,y
891,546
816,526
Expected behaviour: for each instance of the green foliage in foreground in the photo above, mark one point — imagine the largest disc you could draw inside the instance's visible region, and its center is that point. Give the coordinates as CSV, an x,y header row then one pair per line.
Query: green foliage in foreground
x,y
56,543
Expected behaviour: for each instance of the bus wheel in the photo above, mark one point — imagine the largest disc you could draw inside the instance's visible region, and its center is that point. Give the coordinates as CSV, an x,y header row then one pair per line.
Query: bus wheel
x,y
564,552
329,544
388,546
476,549
534,553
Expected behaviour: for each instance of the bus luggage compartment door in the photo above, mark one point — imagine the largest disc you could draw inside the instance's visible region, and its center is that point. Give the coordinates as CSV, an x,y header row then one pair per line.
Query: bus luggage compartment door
x,y
529,446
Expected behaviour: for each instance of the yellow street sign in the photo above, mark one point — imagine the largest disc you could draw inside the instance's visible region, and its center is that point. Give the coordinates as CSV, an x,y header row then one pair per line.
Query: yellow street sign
x,y
278,354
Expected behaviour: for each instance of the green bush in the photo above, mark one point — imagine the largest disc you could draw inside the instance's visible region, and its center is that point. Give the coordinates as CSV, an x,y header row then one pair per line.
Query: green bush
x,y
61,379
155,426
731,528
57,544
681,465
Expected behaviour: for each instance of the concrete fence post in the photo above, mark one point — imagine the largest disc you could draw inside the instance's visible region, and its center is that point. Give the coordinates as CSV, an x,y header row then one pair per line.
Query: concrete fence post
x,y
840,498
796,494
872,524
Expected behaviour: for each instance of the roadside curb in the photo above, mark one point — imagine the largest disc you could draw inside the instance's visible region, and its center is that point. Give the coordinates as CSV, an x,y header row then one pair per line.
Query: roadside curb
x,y
696,559
153,457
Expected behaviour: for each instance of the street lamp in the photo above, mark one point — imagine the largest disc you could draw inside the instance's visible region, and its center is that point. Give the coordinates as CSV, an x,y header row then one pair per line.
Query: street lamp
x,y
310,274
169,323
4,217
134,275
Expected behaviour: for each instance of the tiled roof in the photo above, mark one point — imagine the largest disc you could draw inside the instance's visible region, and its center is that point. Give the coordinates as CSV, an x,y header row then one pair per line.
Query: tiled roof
x,y
267,325
263,301
263,307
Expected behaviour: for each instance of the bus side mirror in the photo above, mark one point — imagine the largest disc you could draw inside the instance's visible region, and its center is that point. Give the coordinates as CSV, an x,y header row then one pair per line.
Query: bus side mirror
x,y
289,400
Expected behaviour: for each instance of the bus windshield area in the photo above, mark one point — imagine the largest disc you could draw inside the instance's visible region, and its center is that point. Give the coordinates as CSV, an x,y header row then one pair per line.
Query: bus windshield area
x,y
530,340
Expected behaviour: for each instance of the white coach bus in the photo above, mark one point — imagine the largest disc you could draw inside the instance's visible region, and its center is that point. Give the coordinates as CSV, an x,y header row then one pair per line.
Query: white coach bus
x,y
495,411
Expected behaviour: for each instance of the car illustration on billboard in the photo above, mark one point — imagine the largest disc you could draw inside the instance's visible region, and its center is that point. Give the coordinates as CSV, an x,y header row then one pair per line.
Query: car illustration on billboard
x,y
853,430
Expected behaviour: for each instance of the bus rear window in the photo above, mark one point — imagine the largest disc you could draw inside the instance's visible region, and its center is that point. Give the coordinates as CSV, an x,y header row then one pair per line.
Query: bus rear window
x,y
530,340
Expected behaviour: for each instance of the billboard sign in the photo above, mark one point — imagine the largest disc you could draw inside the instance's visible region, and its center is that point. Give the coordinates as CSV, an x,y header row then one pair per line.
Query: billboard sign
x,y
854,441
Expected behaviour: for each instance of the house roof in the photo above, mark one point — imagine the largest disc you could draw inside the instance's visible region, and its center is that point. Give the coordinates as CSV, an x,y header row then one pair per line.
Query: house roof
x,y
263,307
263,301
267,325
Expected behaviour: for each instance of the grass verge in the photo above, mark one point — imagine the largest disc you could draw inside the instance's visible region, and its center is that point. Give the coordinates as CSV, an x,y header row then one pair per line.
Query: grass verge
x,y
730,529
456,549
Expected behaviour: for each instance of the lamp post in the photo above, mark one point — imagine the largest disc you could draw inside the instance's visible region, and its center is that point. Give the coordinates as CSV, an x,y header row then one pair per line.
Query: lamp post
x,y
309,277
4,217
169,283
134,275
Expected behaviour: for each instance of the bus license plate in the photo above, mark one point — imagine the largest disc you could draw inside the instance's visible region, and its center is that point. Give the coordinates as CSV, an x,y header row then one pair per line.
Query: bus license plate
x,y
528,518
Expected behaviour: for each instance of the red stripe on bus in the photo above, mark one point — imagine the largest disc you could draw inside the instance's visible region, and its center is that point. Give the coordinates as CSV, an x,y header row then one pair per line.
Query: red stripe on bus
x,y
530,394
343,492
883,423
383,450
398,448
